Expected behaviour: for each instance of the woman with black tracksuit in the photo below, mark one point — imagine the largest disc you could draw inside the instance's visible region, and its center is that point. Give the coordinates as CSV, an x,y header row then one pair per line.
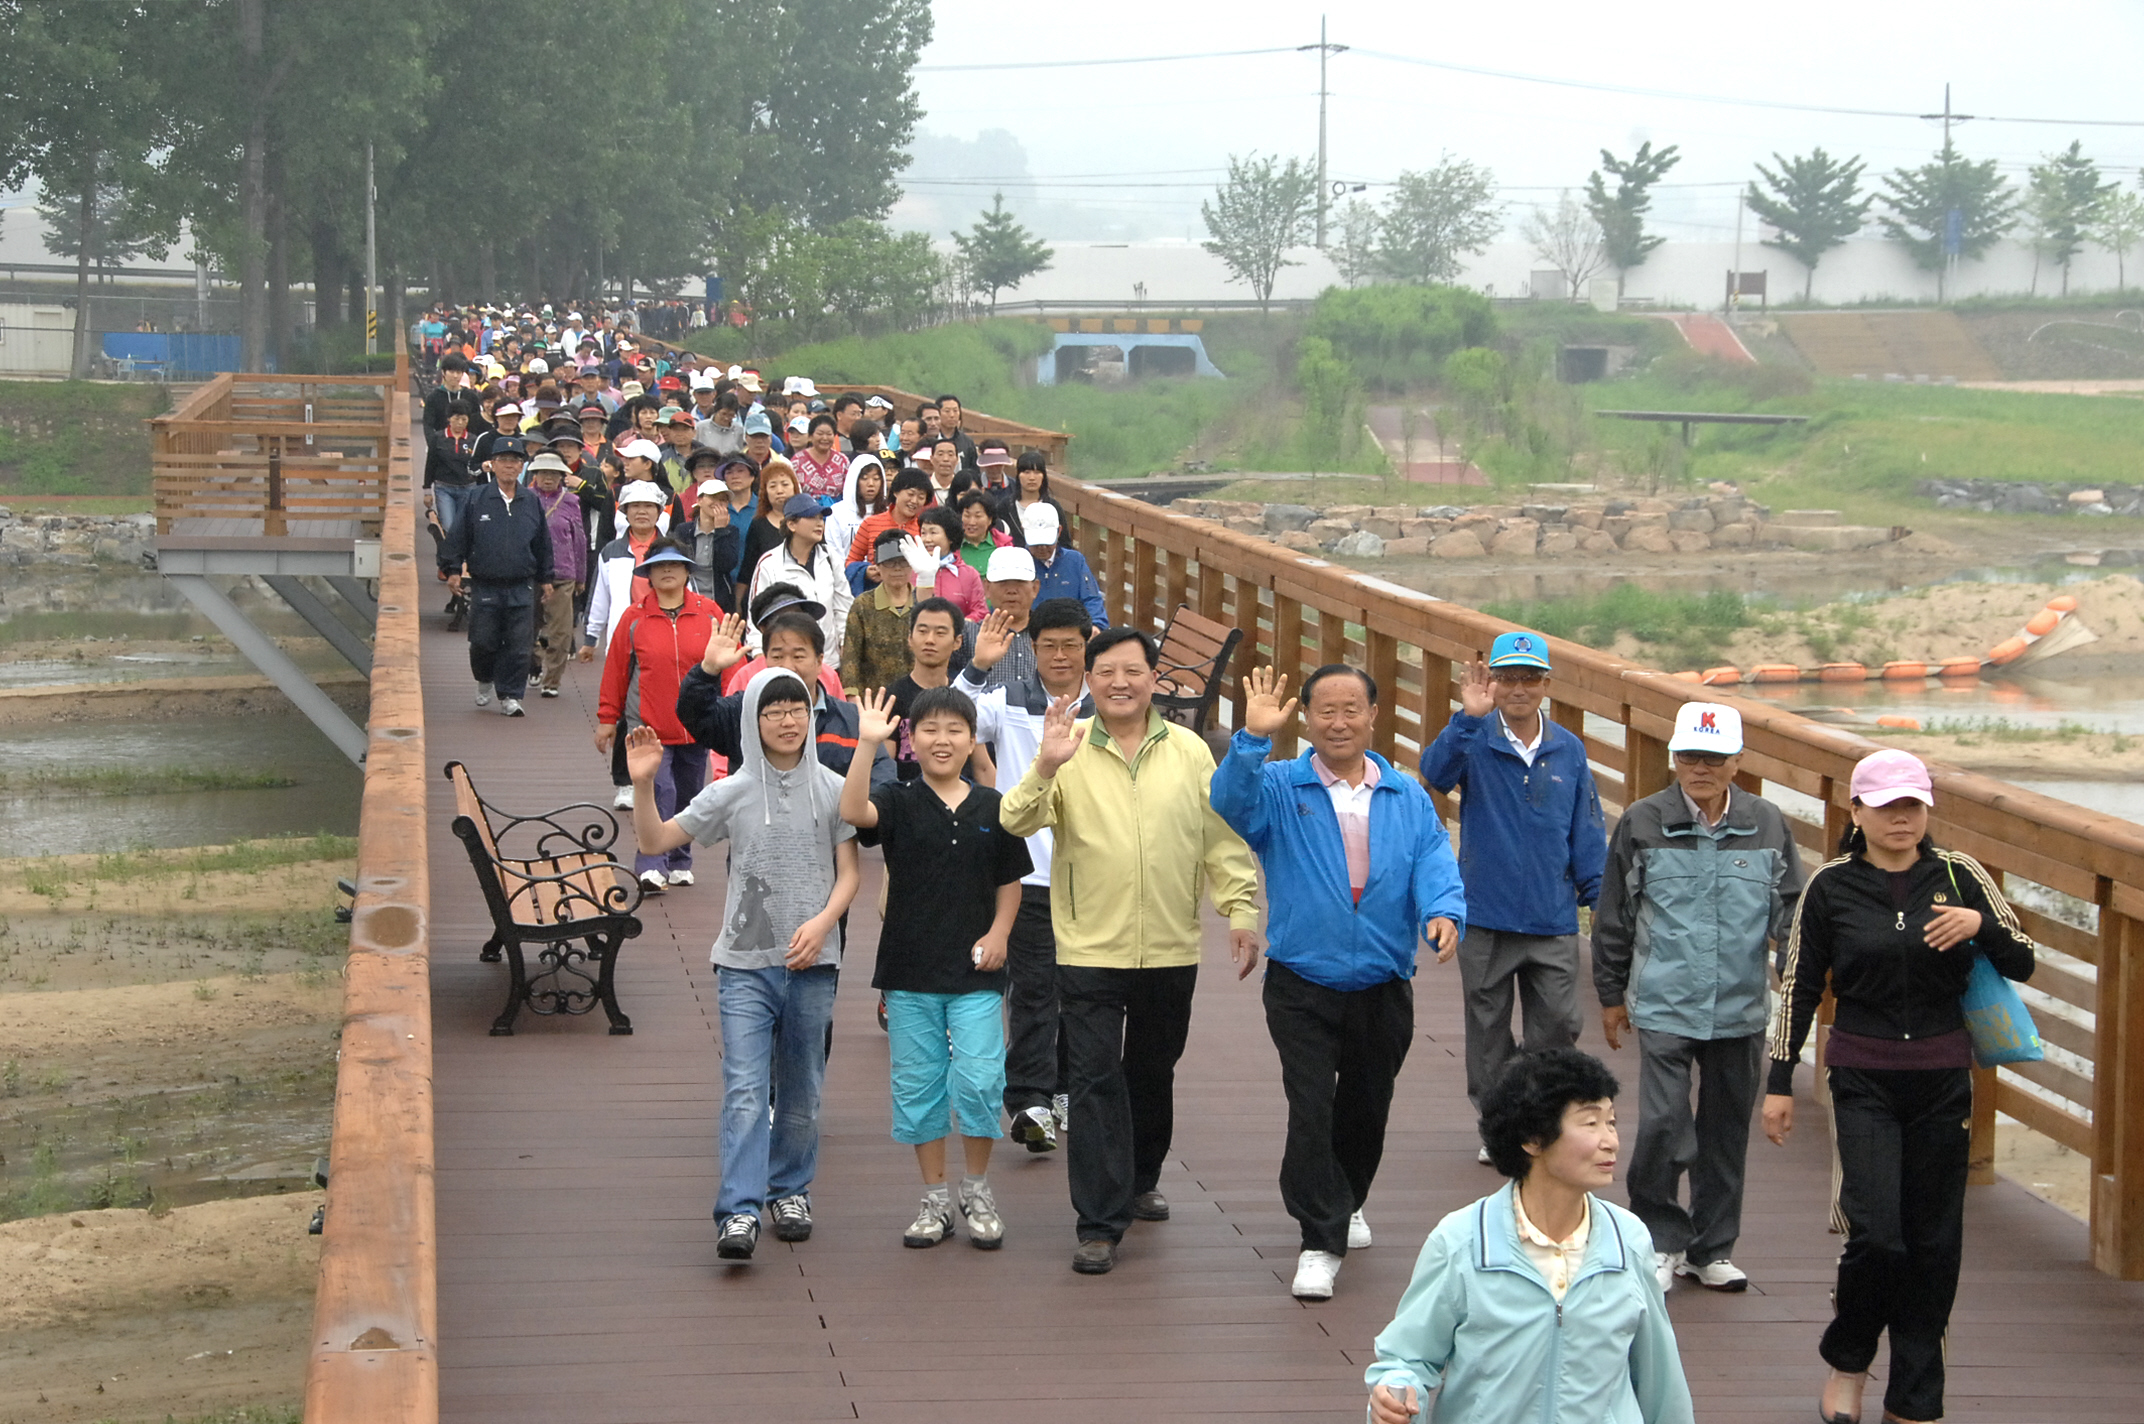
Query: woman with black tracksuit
x,y
1894,923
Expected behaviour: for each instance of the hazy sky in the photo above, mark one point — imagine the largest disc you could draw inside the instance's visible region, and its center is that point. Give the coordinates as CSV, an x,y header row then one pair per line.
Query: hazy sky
x,y
1138,128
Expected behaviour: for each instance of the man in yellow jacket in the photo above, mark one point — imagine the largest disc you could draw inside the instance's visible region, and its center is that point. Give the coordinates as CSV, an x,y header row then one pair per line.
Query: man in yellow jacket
x,y
1126,795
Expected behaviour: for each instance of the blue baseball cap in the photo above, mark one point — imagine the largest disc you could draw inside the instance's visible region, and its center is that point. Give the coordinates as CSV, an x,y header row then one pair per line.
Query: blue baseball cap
x,y
1519,650
757,424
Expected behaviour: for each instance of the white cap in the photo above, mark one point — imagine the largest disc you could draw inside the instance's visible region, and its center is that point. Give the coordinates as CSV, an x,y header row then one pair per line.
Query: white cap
x,y
1039,523
539,367
1707,727
1009,564
799,386
702,381
642,492
708,487
645,449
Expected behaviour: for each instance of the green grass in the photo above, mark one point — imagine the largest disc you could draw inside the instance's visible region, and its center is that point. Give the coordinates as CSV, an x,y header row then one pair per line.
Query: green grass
x,y
1867,444
38,627
1686,629
55,882
248,1414
75,438
136,781
1971,730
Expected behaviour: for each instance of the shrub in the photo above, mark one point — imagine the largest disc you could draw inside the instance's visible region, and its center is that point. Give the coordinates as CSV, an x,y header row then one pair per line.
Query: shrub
x,y
1396,337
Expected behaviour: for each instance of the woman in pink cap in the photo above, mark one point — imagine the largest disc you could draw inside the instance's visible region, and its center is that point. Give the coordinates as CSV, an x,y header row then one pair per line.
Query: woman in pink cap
x,y
1894,924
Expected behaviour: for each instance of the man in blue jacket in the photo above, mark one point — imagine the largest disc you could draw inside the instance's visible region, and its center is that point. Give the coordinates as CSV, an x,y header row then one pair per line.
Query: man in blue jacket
x,y
1531,850
1357,869
500,547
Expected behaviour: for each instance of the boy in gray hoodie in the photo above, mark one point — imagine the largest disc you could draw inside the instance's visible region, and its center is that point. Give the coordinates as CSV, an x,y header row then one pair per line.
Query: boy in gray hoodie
x,y
793,872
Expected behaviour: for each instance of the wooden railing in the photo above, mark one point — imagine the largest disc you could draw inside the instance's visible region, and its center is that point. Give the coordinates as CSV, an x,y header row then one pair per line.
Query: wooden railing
x,y
299,456
1299,611
375,1357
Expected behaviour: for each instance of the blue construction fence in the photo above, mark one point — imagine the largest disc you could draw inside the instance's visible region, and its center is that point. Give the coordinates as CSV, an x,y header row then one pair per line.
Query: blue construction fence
x,y
176,355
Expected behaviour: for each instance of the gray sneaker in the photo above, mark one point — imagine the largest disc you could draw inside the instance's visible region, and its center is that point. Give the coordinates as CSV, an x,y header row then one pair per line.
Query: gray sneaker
x,y
1037,1127
1062,1106
483,694
933,1223
986,1229
510,706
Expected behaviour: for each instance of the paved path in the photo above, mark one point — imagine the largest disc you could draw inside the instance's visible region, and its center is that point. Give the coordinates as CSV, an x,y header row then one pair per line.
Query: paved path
x,y
1421,459
1713,337
579,1284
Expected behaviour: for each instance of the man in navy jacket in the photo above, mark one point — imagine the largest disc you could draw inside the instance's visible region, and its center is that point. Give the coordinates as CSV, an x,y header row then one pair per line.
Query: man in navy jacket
x,y
500,547
1532,846
1358,869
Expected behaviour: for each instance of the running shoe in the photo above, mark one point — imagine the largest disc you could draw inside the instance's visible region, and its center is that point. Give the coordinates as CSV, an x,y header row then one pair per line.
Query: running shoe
x,y
483,694
1358,1233
510,706
652,882
1314,1273
1720,1275
1037,1127
986,1229
550,692
792,1218
740,1234
680,877
1666,1265
1062,1106
624,799
933,1223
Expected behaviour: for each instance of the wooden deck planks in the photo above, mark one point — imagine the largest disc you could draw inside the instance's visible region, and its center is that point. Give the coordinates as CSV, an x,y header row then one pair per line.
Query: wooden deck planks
x,y
578,1280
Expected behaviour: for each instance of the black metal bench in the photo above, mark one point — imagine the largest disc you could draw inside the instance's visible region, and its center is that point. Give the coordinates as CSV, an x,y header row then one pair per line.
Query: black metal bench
x,y
1195,653
572,899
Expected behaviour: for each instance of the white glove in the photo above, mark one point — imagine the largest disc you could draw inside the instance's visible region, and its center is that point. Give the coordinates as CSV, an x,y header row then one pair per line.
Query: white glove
x,y
921,560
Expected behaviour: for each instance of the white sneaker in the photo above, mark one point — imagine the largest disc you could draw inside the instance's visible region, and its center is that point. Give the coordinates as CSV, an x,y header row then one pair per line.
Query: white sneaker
x,y
1062,1106
483,694
1358,1233
1482,1156
986,1229
510,706
1720,1275
624,799
653,881
1666,1265
550,691
1314,1273
933,1223
680,877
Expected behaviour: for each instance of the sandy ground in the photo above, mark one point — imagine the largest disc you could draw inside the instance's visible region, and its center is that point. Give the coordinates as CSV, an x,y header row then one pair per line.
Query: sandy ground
x,y
2085,758
174,1033
1930,624
2044,1167
163,698
125,1315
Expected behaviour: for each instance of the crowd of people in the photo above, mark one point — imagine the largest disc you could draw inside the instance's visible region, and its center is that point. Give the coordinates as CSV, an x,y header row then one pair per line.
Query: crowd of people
x,y
828,624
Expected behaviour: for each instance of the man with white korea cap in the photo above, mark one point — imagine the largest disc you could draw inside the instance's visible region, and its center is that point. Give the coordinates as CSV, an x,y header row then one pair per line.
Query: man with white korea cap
x,y
1700,876
1062,572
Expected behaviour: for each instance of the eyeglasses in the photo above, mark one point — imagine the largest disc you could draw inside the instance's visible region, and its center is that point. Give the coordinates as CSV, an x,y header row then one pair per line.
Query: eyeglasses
x,y
1701,758
796,712
1517,677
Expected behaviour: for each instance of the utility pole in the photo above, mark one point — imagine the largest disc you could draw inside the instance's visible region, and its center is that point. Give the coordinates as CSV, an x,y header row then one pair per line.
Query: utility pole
x,y
1953,220
1324,49
1948,117
372,264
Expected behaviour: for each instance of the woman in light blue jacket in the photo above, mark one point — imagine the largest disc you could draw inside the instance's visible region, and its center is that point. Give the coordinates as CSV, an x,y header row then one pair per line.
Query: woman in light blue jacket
x,y
1538,1303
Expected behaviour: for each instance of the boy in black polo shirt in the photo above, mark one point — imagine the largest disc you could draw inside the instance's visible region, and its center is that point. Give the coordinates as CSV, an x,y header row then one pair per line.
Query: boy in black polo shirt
x,y
953,888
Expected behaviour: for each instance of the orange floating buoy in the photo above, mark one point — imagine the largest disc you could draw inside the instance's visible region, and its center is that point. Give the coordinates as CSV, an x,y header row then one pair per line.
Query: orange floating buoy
x,y
2042,623
1959,667
1903,724
1775,672
2006,651
1686,677
1721,677
1842,672
2062,603
1904,670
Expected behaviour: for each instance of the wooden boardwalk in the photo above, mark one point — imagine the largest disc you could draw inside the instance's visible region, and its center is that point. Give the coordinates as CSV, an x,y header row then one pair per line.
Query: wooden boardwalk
x,y
578,1281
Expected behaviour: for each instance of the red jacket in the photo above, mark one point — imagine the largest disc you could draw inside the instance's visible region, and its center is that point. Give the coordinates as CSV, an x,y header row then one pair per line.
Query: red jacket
x,y
650,653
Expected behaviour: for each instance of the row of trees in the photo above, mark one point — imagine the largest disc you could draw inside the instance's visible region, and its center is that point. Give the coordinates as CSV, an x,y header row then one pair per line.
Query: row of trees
x,y
1434,219
511,158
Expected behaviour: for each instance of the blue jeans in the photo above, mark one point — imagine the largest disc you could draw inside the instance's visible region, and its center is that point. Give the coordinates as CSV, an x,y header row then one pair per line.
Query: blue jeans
x,y
447,502
679,779
774,1027
946,1051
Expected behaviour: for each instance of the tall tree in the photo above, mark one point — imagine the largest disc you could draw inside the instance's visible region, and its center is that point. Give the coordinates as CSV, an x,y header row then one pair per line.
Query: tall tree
x,y
1816,204
1568,239
1265,207
1621,214
2119,226
1000,253
1923,200
2063,194
122,226
1435,218
1354,248
78,109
